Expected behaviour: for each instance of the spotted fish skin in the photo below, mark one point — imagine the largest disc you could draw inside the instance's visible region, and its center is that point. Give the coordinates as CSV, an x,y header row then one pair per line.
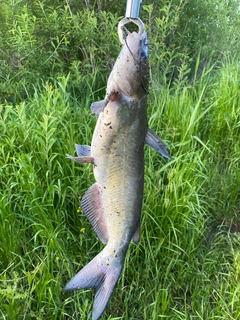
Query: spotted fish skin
x,y
113,203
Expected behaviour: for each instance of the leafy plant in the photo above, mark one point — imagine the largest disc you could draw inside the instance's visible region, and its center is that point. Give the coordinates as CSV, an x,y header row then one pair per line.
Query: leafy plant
x,y
55,59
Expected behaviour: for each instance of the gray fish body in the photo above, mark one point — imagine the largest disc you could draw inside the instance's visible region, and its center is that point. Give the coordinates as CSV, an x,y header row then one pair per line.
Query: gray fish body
x,y
113,204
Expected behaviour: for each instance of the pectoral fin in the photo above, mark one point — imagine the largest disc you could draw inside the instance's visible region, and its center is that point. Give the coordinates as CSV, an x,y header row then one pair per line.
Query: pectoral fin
x,y
98,106
92,207
156,143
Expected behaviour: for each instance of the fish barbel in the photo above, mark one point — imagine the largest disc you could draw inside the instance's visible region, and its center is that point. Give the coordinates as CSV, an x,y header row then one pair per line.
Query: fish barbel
x,y
113,203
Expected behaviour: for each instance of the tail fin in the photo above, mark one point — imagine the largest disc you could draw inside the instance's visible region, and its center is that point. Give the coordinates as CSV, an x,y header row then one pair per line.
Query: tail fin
x,y
101,274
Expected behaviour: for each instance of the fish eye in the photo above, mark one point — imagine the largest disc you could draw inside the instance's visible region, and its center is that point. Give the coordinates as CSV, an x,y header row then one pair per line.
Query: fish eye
x,y
144,49
143,54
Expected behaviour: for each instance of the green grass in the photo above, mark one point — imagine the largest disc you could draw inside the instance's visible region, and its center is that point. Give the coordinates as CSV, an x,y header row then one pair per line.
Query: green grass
x,y
187,263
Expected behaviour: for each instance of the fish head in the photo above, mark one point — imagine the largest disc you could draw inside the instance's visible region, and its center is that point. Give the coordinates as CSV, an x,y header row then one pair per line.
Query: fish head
x,y
130,74
137,45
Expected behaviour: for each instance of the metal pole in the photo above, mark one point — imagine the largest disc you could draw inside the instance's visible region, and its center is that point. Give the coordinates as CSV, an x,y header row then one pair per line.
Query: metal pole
x,y
133,9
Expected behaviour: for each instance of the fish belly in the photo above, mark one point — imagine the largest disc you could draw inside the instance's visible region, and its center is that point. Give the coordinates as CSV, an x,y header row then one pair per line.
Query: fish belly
x,y
117,149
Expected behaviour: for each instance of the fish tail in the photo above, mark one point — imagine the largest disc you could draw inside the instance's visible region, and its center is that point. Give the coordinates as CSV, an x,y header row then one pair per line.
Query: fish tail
x,y
102,274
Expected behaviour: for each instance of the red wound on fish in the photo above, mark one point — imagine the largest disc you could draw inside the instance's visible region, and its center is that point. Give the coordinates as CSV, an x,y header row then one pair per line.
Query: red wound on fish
x,y
113,96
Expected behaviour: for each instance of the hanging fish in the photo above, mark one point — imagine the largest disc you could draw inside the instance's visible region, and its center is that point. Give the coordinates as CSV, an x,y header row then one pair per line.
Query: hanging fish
x,y
113,203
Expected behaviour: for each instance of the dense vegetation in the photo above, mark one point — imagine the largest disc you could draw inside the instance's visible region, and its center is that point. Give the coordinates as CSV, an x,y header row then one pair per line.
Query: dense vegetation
x,y
55,58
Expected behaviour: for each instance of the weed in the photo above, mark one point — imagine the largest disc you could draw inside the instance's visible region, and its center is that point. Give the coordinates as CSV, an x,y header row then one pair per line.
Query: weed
x,y
186,265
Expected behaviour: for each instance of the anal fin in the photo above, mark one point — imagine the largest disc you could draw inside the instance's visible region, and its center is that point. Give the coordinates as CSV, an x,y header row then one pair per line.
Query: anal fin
x,y
156,143
92,207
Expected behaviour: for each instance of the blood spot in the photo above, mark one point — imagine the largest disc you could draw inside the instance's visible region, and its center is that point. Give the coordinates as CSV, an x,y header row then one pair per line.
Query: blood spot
x,y
113,96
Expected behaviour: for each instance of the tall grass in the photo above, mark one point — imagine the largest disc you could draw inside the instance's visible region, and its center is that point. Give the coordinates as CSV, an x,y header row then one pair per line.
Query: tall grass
x,y
55,60
187,263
